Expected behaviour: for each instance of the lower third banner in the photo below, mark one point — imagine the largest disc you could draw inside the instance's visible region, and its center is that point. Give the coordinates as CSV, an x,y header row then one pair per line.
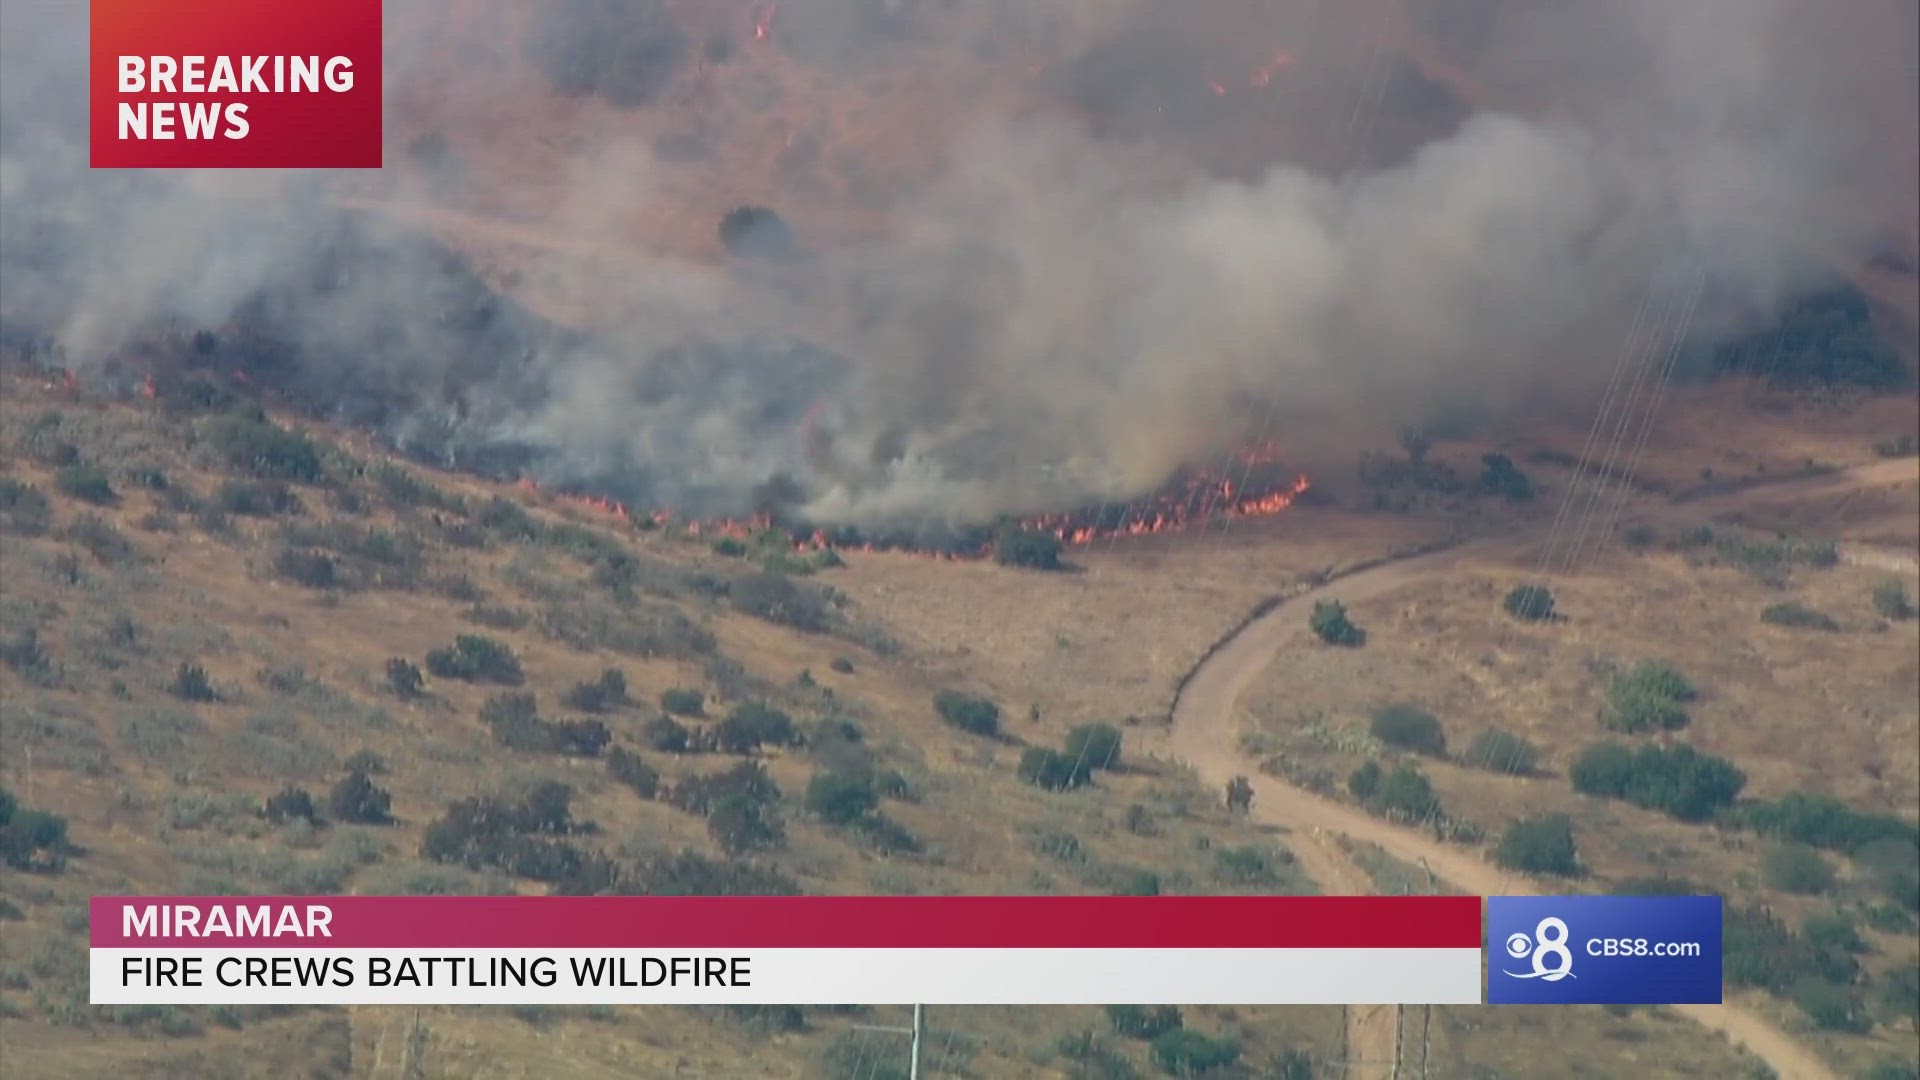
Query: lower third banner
x,y
517,950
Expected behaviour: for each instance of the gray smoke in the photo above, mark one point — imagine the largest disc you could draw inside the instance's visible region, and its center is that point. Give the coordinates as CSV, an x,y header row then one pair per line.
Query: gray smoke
x,y
1440,205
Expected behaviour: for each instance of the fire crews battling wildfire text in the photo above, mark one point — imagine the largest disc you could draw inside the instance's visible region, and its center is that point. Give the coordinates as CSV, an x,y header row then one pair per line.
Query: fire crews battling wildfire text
x,y
426,972
205,78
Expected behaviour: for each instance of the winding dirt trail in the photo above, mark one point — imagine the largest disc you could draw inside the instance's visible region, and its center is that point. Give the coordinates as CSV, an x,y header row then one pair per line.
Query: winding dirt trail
x,y
1205,722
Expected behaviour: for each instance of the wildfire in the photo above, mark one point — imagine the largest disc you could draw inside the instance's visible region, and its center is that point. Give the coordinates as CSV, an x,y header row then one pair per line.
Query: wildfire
x,y
1264,74
763,21
1219,88
1198,498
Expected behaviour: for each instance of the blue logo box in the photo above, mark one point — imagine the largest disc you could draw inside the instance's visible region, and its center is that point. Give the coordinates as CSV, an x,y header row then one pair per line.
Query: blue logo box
x,y
1603,950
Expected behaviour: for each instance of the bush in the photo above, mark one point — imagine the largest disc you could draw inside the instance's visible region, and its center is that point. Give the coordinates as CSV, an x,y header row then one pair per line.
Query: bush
x,y
1529,603
1097,745
1676,780
740,825
264,449
31,840
404,678
976,716
86,483
357,798
474,658
1405,792
312,569
627,767
665,734
24,510
1832,1008
1030,548
1409,728
1542,845
1502,477
606,692
1188,1053
1632,707
1832,933
1329,620
1793,868
1050,769
751,725
1826,822
293,804
757,232
190,683
263,498
1499,751
1822,336
683,702
1890,599
779,599
1140,1022
842,797
1797,616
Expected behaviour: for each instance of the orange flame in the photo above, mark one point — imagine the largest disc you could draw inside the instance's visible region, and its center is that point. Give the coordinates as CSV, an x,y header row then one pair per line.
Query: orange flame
x,y
1219,88
763,22
147,389
1264,74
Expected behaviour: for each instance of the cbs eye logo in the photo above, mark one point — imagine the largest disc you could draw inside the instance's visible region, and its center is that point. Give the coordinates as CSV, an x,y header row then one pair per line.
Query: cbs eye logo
x,y
1552,960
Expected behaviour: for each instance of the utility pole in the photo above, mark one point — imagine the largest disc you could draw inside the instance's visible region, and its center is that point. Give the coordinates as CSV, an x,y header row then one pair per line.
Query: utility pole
x,y
915,1032
913,1063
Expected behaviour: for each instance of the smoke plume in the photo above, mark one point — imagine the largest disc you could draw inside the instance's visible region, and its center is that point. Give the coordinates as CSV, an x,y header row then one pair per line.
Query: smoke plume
x,y
1309,220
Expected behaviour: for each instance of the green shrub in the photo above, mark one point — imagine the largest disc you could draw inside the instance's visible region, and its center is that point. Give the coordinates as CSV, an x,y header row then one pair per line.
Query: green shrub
x,y
1832,933
190,683
474,658
751,725
264,449
24,510
1189,1053
976,716
31,840
607,692
628,768
1632,710
1890,599
404,678
1676,780
1529,603
1097,745
1033,549
1759,950
841,797
1826,822
1797,869
357,798
86,483
257,498
1542,845
1499,751
1502,477
1047,768
1797,616
1833,1008
1402,792
1900,991
1329,621
1140,1022
779,599
667,735
1409,727
683,702
292,804
311,569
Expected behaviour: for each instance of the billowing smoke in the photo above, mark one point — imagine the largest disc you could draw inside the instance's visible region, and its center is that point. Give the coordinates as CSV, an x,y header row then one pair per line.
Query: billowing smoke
x,y
1441,204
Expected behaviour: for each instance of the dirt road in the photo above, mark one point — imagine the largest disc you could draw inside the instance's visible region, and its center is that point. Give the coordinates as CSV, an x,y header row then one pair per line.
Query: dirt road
x,y
1205,726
